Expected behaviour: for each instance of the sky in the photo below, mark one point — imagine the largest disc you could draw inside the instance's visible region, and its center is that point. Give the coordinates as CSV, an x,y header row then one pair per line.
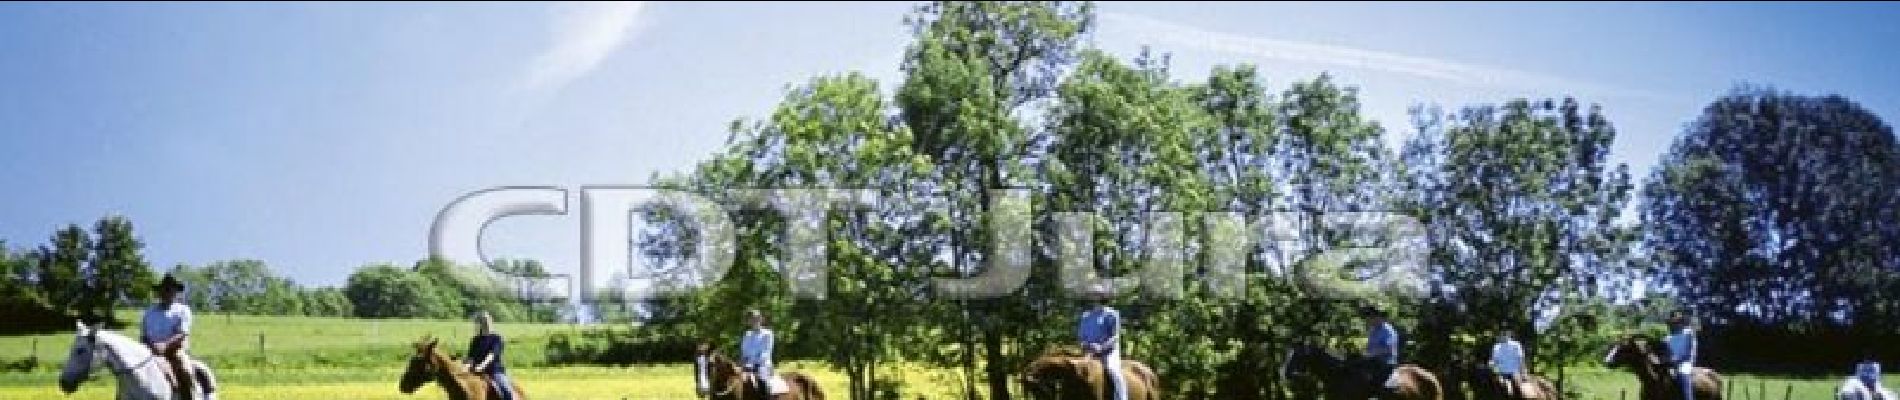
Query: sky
x,y
320,137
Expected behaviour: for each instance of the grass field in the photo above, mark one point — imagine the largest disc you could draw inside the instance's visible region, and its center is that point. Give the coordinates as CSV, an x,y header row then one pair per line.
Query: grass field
x,y
334,358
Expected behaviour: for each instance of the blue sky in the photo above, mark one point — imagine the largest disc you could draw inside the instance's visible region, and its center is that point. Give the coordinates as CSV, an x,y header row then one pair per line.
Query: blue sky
x,y
321,137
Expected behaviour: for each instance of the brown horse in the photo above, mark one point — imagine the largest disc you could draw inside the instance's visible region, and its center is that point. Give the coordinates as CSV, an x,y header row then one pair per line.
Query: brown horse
x,y
1646,357
1071,376
726,381
1315,373
429,364
1486,385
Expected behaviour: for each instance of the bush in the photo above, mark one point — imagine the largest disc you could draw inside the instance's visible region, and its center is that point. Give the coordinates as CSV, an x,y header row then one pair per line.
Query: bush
x,y
619,346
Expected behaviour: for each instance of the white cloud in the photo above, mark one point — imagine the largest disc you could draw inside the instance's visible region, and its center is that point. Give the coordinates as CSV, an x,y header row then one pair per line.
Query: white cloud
x,y
581,36
1145,29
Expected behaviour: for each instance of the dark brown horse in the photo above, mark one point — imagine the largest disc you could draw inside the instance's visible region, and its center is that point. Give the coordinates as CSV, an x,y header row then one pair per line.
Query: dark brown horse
x,y
1315,373
1648,358
429,365
1070,376
726,381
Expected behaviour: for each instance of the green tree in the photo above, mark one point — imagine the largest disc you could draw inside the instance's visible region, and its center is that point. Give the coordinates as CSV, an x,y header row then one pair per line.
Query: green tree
x,y
1520,202
62,269
1773,217
971,68
119,272
387,291
1124,144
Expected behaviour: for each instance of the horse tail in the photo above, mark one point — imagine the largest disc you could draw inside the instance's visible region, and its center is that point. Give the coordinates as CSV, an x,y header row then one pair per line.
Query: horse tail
x,y
1153,381
1428,383
809,386
1549,389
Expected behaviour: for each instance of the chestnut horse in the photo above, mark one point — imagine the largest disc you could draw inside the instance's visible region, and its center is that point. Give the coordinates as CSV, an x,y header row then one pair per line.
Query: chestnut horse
x,y
1646,357
429,364
1071,376
726,381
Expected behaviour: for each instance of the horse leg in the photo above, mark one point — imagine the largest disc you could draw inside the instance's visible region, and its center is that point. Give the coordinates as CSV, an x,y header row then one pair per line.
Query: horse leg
x,y
207,383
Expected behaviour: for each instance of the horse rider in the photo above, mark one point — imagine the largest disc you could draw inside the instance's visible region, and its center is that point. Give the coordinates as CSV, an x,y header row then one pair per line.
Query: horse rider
x,y
1099,330
1507,361
165,328
755,353
1682,353
1869,373
1382,348
484,356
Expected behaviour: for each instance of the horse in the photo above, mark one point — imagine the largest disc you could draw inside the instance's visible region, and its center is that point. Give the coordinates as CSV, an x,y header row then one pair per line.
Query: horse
x,y
142,375
1643,356
1312,371
1072,376
428,363
1486,384
724,380
1853,389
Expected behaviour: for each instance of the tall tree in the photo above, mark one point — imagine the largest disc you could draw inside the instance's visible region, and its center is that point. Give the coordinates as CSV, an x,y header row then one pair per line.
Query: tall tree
x,y
974,66
1775,213
1521,205
62,272
120,274
1123,147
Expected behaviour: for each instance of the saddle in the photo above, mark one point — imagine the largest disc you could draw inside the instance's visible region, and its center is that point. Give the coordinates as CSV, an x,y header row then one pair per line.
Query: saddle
x,y
494,392
779,385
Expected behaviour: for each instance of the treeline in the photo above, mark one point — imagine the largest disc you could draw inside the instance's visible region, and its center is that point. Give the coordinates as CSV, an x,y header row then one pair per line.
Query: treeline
x,y
1522,207
82,274
78,273
429,288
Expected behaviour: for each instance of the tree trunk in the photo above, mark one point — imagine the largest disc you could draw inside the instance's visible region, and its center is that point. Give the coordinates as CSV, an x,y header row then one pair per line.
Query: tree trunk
x,y
998,370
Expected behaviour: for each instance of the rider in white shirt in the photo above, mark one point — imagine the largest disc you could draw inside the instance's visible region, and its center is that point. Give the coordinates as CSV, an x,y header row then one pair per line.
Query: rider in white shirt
x,y
166,325
1507,361
755,353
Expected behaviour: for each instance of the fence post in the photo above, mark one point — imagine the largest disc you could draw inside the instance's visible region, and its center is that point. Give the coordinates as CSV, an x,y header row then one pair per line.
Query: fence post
x,y
261,357
1788,393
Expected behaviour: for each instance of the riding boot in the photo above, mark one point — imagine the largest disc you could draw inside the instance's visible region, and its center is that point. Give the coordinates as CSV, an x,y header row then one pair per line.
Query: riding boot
x,y
181,374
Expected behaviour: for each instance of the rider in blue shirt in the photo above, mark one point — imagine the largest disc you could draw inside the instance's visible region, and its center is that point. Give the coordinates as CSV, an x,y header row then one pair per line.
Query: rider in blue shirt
x,y
1382,346
1100,331
1682,353
1869,373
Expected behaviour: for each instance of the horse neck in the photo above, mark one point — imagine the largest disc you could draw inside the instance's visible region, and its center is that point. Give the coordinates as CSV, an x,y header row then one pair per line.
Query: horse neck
x,y
1647,372
722,375
445,375
123,353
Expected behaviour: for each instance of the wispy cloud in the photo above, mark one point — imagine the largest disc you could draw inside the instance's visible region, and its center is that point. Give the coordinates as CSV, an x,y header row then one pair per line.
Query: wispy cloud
x,y
581,36
1157,31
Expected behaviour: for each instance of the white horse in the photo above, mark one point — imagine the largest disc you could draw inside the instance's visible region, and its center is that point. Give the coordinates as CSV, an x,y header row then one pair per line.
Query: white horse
x,y
141,374
1852,389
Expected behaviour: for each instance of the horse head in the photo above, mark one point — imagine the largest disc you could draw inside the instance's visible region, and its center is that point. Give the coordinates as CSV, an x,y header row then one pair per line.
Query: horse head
x,y
422,366
1634,351
1306,359
723,376
81,359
